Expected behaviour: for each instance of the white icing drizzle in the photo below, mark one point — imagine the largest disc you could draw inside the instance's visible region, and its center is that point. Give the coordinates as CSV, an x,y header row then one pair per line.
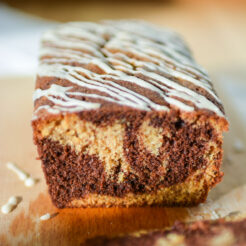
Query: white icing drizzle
x,y
135,52
22,175
124,95
11,204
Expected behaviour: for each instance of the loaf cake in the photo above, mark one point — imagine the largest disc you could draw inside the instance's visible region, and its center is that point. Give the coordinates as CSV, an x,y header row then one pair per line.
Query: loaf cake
x,y
124,116
221,232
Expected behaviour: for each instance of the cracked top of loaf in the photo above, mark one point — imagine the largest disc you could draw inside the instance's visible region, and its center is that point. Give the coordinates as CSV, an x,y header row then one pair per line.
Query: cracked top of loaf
x,y
120,64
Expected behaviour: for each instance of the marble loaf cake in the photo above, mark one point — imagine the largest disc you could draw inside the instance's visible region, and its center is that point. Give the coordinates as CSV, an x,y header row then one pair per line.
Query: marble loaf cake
x,y
124,116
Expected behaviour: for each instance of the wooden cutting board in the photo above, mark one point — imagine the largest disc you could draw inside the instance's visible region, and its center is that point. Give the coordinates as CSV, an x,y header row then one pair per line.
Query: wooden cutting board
x,y
74,226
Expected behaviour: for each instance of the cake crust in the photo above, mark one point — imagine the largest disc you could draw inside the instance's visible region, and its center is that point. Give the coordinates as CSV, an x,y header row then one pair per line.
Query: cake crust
x,y
124,116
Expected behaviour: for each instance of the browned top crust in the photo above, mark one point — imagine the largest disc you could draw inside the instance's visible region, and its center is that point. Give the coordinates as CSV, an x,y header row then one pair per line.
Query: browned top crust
x,y
120,64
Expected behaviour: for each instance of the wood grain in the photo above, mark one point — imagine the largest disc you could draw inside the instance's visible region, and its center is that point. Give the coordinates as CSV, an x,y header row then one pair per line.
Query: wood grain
x,y
73,226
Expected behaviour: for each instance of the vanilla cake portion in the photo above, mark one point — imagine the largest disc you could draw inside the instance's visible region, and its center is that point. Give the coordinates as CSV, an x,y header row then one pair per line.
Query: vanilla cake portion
x,y
124,116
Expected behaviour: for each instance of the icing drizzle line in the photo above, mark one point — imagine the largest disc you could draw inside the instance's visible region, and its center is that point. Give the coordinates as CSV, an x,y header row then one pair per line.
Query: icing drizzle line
x,y
137,53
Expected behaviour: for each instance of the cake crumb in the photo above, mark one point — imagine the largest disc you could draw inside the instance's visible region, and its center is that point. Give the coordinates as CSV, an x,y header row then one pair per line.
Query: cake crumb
x,y
29,182
11,204
47,216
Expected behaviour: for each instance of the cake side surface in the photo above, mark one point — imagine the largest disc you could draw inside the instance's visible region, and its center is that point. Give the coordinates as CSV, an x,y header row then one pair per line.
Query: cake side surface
x,y
125,116
129,158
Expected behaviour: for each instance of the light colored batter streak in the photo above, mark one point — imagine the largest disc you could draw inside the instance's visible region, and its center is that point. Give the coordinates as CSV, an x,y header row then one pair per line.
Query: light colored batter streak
x,y
24,176
11,204
135,52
